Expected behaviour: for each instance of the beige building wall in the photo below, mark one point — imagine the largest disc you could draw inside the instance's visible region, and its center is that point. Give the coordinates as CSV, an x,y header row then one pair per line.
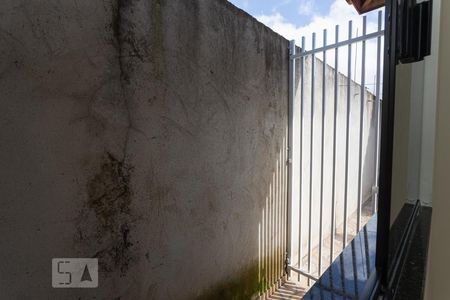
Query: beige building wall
x,y
438,286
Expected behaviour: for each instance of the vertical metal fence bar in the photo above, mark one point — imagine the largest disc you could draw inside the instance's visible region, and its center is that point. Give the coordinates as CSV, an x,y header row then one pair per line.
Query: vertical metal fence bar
x,y
361,125
263,250
277,222
285,211
266,244
300,210
279,219
259,258
349,82
274,233
324,63
377,114
274,228
311,154
333,183
269,238
270,233
290,146
280,216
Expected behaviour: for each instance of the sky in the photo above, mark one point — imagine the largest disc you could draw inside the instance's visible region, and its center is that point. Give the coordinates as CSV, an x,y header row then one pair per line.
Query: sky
x,y
296,18
298,12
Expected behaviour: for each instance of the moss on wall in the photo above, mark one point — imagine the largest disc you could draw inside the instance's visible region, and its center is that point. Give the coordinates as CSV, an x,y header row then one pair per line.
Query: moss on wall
x,y
246,285
249,284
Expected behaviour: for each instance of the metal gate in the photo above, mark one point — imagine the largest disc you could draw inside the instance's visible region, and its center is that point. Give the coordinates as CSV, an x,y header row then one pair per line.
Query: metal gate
x,y
334,126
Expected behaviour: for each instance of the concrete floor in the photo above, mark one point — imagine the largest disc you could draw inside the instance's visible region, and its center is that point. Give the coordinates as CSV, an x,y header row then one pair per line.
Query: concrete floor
x,y
289,291
295,289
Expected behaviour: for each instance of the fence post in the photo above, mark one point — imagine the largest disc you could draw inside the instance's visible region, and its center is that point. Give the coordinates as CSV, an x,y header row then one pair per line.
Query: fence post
x,y
289,150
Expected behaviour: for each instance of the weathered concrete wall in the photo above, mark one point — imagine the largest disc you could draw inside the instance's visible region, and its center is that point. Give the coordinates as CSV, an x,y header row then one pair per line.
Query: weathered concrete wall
x,y
148,134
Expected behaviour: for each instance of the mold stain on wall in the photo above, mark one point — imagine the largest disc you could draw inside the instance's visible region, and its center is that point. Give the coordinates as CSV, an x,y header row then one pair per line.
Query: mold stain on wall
x,y
105,221
244,286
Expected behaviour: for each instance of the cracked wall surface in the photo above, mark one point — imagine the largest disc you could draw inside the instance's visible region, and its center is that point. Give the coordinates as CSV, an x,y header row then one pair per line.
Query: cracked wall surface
x,y
144,133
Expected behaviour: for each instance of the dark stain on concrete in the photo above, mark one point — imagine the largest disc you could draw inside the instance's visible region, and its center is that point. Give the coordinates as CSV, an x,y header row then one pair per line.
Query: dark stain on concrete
x,y
133,47
269,54
157,38
117,256
105,220
117,28
109,192
109,197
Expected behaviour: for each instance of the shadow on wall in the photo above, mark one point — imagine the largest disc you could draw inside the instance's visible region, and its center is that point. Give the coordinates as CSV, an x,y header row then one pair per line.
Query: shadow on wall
x,y
264,278
272,228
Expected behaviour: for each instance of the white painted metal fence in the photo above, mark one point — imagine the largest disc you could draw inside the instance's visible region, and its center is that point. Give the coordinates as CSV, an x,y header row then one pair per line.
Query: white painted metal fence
x,y
330,125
